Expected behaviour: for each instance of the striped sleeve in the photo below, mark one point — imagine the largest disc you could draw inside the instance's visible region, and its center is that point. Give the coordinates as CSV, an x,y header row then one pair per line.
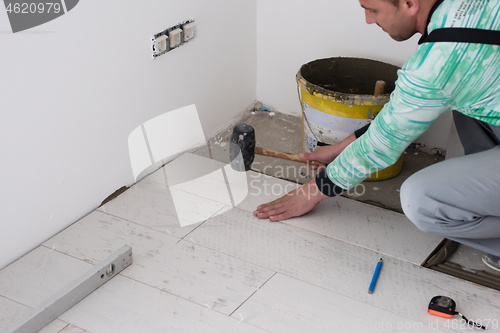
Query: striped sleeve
x,y
413,107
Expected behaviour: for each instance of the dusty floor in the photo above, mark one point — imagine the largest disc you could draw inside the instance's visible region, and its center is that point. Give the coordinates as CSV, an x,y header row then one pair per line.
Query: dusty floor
x,y
283,132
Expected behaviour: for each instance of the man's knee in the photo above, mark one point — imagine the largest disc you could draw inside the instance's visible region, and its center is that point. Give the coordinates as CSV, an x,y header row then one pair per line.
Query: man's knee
x,y
416,203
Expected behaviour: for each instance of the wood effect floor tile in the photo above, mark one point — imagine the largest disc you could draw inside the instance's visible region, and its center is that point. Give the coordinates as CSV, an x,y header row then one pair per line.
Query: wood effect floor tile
x,y
127,306
11,311
152,205
371,227
403,288
288,305
202,176
180,267
38,275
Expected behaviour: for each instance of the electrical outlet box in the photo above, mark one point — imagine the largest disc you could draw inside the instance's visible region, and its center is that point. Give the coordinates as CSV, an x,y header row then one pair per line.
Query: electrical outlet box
x,y
172,37
175,37
160,44
189,31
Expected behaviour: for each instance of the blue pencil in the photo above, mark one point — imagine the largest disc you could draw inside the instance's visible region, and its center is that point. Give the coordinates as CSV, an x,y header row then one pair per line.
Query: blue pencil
x,y
375,276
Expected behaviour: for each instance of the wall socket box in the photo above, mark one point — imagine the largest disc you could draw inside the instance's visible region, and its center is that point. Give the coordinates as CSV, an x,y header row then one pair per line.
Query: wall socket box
x,y
160,45
175,37
189,31
172,37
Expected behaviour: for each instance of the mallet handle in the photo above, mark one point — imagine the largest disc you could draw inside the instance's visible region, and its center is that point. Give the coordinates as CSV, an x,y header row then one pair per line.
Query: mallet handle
x,y
379,87
282,155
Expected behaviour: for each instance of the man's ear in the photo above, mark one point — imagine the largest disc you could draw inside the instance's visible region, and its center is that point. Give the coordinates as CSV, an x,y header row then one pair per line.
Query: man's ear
x,y
411,6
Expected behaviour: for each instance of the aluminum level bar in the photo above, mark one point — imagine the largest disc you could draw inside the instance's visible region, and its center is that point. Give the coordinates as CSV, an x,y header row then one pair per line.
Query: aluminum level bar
x,y
73,293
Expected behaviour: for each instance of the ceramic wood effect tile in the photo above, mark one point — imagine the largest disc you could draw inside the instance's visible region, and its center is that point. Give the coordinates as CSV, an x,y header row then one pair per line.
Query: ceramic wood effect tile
x,y
263,189
371,227
38,275
202,176
127,306
288,305
180,267
11,311
151,204
403,288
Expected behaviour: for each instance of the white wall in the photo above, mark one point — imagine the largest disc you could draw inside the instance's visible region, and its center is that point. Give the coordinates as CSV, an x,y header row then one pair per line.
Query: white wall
x,y
73,89
291,33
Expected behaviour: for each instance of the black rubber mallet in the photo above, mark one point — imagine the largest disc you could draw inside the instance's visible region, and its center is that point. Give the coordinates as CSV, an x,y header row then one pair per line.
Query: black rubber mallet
x,y
243,141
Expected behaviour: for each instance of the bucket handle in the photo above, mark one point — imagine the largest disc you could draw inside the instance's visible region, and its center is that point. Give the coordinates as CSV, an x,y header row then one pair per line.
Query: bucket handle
x,y
304,114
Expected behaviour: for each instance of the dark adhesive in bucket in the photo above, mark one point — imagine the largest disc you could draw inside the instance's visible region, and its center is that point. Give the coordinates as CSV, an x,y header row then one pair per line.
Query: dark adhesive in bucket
x,y
337,97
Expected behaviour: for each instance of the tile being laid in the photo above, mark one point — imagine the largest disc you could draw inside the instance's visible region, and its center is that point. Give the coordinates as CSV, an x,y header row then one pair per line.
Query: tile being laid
x,y
263,189
285,304
348,220
185,168
180,267
368,226
11,311
202,176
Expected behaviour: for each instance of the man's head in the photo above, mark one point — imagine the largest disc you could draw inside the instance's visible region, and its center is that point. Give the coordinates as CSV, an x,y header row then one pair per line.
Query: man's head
x,y
401,19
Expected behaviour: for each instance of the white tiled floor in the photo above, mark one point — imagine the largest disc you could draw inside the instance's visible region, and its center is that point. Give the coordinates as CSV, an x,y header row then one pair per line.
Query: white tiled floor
x,y
228,271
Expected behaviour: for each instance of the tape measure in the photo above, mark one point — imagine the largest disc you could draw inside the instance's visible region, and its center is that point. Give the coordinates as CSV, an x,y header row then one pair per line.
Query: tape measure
x,y
443,306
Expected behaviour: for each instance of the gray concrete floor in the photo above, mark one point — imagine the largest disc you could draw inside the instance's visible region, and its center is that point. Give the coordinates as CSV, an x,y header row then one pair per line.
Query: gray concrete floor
x,y
283,132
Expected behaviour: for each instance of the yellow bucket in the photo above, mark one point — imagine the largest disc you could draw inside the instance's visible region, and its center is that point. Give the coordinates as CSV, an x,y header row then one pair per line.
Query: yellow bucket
x,y
337,98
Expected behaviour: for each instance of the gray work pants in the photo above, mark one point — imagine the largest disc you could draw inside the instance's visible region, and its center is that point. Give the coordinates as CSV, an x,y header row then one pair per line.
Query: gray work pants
x,y
459,198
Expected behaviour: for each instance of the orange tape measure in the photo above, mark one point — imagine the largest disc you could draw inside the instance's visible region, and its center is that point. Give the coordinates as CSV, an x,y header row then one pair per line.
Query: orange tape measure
x,y
443,306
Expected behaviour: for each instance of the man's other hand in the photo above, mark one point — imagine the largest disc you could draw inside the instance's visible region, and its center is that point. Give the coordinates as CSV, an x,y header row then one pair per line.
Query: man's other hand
x,y
326,154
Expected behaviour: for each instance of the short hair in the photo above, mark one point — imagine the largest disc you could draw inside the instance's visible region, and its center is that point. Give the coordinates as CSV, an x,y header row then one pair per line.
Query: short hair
x,y
395,3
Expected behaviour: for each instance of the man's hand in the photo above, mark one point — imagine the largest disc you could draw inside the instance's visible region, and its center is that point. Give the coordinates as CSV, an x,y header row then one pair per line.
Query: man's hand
x,y
294,203
326,154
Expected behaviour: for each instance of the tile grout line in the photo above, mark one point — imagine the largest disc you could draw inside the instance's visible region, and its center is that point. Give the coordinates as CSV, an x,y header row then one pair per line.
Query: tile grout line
x,y
336,239
29,307
136,223
290,225
168,292
65,327
161,290
202,306
130,278
69,255
353,244
252,263
213,215
239,306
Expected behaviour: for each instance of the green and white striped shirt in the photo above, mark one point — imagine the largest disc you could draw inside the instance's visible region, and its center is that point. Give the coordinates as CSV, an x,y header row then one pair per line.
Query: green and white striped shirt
x,y
437,77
